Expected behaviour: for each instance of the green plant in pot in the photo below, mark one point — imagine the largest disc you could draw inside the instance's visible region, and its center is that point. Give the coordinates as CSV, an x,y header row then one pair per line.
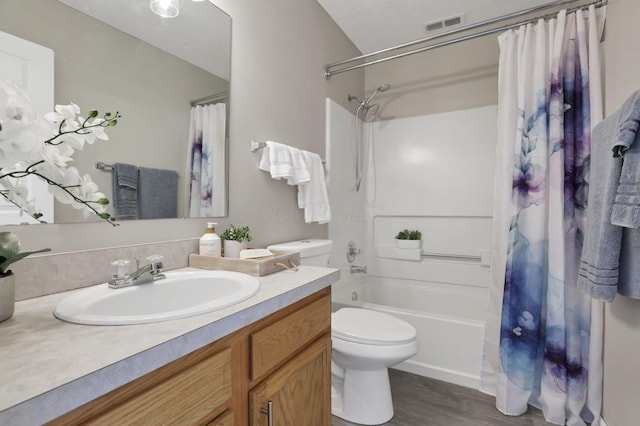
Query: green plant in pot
x,y
9,253
235,238
409,239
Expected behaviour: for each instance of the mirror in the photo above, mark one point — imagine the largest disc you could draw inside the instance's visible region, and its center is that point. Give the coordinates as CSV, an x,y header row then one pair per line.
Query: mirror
x,y
117,55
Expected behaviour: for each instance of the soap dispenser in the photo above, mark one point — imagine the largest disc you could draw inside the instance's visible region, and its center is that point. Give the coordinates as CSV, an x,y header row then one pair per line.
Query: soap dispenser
x,y
210,244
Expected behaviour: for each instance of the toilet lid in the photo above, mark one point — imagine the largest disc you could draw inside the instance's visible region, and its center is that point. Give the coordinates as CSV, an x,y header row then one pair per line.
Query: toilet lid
x,y
370,327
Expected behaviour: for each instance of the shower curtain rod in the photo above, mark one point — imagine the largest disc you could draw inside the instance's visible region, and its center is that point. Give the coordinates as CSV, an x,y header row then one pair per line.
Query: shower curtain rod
x,y
216,97
330,71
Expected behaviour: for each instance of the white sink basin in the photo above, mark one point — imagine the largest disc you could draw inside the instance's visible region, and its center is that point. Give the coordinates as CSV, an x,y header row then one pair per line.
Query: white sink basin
x,y
182,294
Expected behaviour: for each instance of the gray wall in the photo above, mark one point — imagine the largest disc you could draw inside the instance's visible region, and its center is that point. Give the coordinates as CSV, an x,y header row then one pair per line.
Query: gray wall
x,y
622,317
278,93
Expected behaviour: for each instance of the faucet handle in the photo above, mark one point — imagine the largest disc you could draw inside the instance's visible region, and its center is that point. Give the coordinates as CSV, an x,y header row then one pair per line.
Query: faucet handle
x,y
156,262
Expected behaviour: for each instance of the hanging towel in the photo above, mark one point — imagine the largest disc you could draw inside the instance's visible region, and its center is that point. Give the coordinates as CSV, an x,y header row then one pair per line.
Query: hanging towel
x,y
276,159
125,190
626,207
158,193
312,195
610,261
299,171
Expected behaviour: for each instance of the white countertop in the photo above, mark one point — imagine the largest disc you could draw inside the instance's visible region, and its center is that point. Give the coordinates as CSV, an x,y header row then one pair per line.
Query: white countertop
x,y
50,367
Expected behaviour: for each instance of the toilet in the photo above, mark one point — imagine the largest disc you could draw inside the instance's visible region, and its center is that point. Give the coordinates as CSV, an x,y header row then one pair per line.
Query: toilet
x,y
364,344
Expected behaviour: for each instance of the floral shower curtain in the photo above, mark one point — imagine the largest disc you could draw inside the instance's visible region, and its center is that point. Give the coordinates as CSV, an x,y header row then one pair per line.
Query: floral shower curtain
x,y
543,337
206,161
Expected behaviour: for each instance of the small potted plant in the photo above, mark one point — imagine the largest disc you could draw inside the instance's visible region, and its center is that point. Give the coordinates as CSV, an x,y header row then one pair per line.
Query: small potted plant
x,y
236,238
409,239
9,253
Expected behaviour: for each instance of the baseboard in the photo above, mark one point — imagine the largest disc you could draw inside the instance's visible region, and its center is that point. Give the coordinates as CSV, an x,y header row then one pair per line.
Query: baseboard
x,y
450,376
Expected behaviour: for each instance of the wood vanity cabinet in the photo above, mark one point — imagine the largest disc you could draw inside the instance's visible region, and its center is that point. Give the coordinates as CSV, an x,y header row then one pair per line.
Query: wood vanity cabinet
x,y
291,369
284,359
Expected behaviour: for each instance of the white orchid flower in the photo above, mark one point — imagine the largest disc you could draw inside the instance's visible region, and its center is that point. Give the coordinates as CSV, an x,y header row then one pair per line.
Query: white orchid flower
x,y
43,147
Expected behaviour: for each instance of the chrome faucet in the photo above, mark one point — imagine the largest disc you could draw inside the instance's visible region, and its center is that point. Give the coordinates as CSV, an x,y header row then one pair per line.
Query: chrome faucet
x,y
358,269
145,274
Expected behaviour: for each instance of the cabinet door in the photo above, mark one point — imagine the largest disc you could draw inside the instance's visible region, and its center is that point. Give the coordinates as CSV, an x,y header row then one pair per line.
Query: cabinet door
x,y
299,393
225,419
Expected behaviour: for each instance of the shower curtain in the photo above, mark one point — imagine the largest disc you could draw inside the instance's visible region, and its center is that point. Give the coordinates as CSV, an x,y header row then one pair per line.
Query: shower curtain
x,y
543,339
206,161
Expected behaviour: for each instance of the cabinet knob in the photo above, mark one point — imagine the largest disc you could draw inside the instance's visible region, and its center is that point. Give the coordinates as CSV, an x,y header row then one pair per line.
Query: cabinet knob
x,y
268,412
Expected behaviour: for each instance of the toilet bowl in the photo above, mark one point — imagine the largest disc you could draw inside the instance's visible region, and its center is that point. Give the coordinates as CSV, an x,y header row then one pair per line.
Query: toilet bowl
x,y
365,343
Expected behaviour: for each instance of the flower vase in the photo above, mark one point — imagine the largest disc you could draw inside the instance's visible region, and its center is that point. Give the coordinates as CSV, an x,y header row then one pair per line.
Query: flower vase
x,y
7,296
232,248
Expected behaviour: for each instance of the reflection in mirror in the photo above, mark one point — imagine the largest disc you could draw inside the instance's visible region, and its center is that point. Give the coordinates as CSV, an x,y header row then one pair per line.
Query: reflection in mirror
x,y
172,90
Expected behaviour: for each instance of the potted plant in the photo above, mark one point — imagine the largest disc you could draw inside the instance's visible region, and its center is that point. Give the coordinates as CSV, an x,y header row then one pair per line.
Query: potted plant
x,y
409,239
9,253
235,238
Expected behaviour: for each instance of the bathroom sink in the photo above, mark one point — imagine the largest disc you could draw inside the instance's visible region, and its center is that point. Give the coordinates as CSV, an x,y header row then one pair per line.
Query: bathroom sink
x,y
182,294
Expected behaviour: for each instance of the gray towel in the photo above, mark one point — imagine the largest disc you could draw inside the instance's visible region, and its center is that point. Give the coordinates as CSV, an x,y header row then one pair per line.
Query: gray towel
x,y
158,193
125,190
626,207
610,261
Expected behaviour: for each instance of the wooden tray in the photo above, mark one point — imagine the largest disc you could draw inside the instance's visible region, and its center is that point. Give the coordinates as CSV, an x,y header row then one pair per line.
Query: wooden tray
x,y
256,267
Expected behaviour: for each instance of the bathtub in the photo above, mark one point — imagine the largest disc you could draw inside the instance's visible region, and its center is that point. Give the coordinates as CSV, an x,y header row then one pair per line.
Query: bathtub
x,y
449,320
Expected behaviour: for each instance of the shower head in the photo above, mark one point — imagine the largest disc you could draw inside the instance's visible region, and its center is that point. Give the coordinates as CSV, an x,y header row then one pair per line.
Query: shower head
x,y
370,111
375,92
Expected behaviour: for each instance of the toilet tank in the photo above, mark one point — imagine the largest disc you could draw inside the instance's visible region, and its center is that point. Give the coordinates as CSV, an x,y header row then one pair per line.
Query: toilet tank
x,y
312,252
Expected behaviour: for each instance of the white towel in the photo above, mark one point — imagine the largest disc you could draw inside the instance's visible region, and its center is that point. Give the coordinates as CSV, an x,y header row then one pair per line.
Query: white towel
x,y
276,159
299,172
312,195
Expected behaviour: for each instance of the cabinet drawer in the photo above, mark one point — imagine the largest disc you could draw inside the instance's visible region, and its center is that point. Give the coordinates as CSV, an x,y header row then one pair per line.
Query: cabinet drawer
x,y
189,396
276,342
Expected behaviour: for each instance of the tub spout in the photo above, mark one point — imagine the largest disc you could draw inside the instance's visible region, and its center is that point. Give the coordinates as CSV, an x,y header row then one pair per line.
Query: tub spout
x,y
358,269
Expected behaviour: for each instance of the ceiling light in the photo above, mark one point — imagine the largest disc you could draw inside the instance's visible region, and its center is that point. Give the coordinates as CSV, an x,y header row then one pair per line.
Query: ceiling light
x,y
165,8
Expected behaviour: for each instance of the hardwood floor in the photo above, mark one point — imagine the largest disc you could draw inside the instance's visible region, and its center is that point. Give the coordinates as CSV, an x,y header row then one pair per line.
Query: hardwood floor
x,y
420,401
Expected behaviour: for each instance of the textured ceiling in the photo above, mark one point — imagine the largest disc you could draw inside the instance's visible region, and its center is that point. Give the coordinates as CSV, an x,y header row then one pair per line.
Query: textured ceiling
x,y
377,24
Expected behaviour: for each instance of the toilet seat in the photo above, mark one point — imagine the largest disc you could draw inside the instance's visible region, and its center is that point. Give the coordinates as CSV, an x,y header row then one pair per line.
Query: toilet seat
x,y
370,327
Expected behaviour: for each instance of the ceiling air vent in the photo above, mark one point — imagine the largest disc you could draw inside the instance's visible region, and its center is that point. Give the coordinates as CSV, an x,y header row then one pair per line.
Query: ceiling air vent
x,y
445,23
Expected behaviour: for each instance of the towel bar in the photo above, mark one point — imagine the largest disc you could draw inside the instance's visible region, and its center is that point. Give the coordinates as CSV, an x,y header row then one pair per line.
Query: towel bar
x,y
257,145
454,256
104,166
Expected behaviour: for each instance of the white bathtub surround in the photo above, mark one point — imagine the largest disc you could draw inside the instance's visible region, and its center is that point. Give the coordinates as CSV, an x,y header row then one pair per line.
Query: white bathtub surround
x,y
433,173
348,206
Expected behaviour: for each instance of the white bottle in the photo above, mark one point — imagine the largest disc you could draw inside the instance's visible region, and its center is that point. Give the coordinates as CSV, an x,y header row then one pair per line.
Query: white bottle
x,y
210,244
